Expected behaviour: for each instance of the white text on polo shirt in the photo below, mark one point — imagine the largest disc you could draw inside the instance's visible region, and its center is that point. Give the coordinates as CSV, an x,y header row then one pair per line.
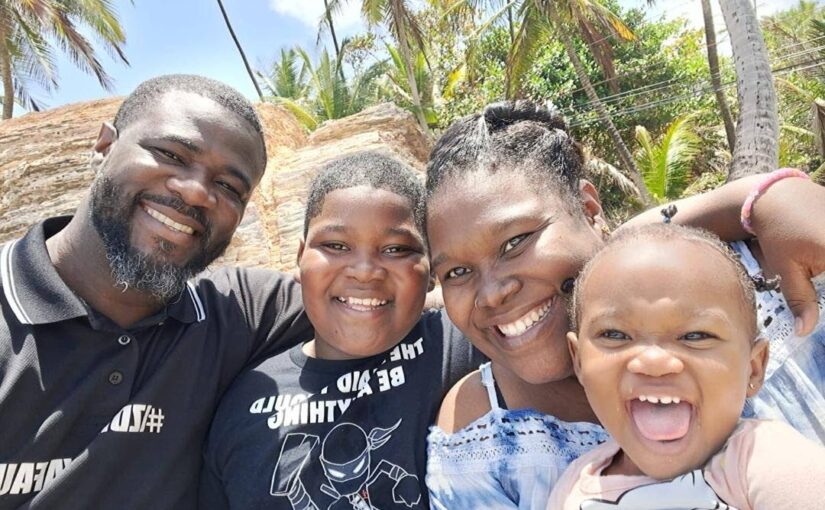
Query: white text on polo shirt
x,y
301,408
28,477
137,418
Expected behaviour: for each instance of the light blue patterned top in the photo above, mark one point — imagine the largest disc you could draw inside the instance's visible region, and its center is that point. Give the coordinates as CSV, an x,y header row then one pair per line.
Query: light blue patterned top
x,y
794,389
505,459
512,459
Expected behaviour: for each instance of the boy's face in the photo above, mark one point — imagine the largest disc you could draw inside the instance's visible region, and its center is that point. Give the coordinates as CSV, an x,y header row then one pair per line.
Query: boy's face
x,y
665,353
364,272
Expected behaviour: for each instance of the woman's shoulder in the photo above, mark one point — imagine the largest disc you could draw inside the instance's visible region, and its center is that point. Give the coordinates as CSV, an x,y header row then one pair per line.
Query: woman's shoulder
x,y
464,403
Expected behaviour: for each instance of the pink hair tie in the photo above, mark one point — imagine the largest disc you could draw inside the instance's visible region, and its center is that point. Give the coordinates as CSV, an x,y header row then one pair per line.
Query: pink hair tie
x,y
759,190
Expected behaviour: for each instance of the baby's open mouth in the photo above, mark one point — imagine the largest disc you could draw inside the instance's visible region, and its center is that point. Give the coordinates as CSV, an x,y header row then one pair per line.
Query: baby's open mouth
x,y
661,418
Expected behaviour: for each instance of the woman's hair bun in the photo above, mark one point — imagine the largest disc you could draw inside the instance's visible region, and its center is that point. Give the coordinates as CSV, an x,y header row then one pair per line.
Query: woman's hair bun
x,y
506,113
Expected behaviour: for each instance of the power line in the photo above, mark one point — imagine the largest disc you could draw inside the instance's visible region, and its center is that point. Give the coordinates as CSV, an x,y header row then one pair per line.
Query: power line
x,y
640,71
660,86
781,71
667,83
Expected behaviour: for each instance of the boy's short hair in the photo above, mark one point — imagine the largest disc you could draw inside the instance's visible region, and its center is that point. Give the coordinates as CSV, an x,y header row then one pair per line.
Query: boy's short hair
x,y
368,168
669,232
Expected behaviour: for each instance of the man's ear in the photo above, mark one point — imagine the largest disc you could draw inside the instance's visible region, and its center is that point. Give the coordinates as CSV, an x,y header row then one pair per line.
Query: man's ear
x,y
297,270
573,347
105,138
758,364
591,204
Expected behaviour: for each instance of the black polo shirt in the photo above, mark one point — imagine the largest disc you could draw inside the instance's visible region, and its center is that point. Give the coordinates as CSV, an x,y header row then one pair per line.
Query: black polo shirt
x,y
93,415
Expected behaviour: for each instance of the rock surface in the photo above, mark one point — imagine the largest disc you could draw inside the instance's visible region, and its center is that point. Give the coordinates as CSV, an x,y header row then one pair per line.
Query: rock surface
x,y
44,169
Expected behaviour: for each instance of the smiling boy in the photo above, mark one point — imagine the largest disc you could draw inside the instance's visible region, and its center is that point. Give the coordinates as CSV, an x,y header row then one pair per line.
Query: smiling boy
x,y
341,421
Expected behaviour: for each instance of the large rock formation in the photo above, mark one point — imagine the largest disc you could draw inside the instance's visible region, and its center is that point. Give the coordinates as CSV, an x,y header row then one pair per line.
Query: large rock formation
x,y
44,169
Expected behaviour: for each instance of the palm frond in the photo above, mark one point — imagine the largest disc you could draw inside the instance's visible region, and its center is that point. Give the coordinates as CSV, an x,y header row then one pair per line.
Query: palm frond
x,y
304,116
532,33
665,166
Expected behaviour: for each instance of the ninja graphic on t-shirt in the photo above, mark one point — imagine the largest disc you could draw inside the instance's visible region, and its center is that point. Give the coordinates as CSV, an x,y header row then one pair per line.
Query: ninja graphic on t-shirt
x,y
347,464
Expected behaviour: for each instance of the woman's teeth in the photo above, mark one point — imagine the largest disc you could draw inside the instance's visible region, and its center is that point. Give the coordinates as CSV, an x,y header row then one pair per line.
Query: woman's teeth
x,y
521,325
362,304
659,400
169,222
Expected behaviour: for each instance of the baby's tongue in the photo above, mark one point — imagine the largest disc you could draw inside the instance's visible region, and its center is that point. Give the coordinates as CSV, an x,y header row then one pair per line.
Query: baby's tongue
x,y
661,422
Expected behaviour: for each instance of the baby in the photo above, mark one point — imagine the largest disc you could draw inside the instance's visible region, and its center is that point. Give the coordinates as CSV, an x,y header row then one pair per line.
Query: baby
x,y
667,349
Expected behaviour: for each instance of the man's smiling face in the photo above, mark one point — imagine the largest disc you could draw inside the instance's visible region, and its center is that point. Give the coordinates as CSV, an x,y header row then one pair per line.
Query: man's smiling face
x,y
172,190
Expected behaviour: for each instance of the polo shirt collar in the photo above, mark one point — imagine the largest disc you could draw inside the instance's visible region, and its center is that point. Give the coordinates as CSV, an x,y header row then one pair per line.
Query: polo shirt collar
x,y
37,295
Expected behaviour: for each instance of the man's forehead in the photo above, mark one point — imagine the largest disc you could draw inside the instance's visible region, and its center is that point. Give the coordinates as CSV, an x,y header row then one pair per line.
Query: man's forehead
x,y
183,106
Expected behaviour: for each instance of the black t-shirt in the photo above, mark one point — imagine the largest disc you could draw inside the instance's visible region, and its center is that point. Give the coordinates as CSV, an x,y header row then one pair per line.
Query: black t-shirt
x,y
305,433
93,415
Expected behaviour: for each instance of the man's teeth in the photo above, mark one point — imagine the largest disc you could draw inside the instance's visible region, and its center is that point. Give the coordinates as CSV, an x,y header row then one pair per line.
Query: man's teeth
x,y
659,400
362,304
169,222
526,322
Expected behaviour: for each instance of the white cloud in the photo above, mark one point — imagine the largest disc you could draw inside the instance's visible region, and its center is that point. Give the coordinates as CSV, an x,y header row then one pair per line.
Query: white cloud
x,y
309,12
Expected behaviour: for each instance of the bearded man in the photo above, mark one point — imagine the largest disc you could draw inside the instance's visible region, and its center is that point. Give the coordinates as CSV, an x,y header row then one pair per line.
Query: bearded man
x,y
112,358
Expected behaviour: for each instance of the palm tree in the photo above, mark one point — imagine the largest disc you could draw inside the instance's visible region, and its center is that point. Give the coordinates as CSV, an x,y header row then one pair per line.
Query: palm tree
x,y
542,19
715,76
609,21
319,91
757,129
666,165
401,22
397,76
240,50
29,28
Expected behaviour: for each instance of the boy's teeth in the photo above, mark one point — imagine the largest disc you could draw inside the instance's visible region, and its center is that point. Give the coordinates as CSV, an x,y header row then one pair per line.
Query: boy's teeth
x,y
526,322
659,400
169,222
366,303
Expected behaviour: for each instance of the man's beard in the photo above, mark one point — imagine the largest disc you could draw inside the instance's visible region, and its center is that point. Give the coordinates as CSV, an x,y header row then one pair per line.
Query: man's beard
x,y
111,213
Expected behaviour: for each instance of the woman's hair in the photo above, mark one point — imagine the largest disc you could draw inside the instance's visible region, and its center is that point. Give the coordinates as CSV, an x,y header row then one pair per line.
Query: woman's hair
x,y
664,232
510,136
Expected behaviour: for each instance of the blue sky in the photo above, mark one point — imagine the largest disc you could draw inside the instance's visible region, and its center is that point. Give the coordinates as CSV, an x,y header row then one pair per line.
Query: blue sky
x,y
189,36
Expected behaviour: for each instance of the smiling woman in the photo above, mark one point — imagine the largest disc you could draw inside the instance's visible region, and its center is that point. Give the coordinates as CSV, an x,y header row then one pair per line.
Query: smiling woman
x,y
511,222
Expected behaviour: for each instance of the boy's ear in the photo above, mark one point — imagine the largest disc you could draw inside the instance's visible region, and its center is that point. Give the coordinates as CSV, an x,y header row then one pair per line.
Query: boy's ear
x,y
573,347
105,138
297,270
758,364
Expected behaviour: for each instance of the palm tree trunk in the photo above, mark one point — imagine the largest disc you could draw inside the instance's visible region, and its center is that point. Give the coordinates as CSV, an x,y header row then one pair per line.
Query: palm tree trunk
x,y
328,15
604,115
240,50
406,55
5,75
510,25
715,76
757,129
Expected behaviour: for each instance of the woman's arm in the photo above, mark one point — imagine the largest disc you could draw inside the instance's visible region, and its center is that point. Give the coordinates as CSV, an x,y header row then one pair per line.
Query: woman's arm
x,y
789,221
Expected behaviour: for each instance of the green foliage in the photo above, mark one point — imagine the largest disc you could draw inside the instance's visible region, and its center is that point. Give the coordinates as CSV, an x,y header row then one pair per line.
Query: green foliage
x,y
666,165
30,29
795,39
662,76
320,91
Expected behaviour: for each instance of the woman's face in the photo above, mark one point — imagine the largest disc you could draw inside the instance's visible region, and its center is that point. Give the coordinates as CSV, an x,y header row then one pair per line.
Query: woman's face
x,y
502,249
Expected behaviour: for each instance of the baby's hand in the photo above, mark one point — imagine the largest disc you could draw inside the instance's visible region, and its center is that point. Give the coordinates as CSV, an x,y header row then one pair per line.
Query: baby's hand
x,y
791,235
